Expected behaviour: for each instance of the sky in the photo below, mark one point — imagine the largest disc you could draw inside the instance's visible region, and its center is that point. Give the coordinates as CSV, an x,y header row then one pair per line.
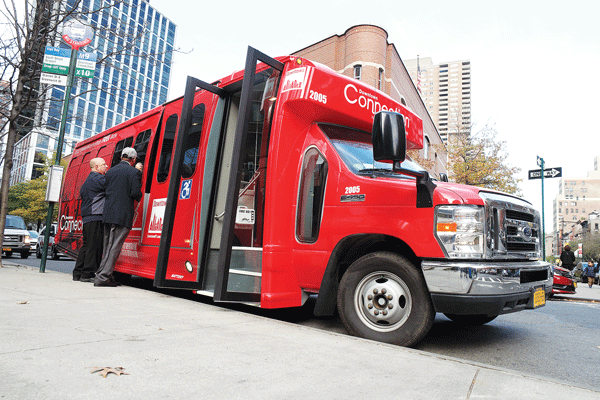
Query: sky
x,y
533,63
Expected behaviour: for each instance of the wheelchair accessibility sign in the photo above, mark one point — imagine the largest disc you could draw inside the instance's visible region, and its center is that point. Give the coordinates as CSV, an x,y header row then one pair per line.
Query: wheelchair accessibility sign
x,y
186,189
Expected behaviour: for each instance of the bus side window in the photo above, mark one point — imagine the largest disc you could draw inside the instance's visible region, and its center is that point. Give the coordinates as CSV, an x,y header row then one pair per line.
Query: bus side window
x,y
84,171
192,142
121,144
166,151
141,145
105,153
70,179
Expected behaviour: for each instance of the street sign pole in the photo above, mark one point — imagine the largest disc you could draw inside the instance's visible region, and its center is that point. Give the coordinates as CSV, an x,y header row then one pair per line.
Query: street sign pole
x,y
540,161
59,147
77,35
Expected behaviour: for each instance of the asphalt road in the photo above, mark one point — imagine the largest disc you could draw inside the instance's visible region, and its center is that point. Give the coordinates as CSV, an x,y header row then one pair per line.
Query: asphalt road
x,y
560,341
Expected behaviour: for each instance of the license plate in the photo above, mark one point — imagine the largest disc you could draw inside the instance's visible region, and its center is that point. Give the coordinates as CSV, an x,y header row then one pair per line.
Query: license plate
x,y
6,249
539,298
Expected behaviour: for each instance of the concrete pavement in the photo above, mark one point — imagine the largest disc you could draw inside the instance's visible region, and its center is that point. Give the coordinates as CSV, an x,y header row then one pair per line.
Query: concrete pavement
x,y
54,332
583,293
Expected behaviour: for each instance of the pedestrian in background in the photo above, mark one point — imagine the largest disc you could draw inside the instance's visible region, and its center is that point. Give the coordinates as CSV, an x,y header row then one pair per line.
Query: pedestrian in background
x,y
123,188
92,195
567,258
590,272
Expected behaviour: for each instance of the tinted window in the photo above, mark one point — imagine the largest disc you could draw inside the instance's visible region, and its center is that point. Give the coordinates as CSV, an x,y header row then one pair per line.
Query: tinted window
x,y
141,145
192,142
119,148
167,148
311,196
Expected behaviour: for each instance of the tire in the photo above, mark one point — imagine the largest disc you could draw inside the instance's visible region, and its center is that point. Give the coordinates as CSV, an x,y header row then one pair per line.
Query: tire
x,y
25,255
470,320
8,253
383,297
38,252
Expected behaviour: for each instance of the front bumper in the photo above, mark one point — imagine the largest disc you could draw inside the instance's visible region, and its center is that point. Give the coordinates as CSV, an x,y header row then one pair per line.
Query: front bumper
x,y
485,288
15,247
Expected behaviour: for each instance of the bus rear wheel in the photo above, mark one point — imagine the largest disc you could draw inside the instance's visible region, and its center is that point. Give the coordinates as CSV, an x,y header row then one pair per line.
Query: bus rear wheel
x,y
383,296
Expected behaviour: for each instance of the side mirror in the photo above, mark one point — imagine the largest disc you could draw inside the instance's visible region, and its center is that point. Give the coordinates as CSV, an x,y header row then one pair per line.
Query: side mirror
x,y
443,177
389,137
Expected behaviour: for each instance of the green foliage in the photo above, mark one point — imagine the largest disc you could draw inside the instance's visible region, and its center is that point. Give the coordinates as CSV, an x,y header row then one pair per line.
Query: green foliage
x,y
478,159
590,245
27,199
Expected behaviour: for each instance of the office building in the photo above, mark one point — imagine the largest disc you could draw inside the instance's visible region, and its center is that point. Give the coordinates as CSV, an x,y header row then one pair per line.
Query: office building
x,y
446,92
363,52
124,86
577,199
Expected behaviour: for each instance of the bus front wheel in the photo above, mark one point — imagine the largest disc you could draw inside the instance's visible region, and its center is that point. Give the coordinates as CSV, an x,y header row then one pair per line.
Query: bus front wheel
x,y
383,296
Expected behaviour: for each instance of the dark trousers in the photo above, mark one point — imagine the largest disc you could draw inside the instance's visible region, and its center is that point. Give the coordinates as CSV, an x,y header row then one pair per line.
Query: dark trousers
x,y
90,253
114,237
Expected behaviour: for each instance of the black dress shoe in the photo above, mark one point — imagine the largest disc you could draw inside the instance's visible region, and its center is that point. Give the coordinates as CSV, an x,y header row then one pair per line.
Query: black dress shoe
x,y
86,280
76,278
107,283
113,280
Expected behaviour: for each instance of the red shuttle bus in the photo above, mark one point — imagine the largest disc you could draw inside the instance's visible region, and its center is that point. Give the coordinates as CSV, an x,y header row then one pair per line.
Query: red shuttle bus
x,y
288,180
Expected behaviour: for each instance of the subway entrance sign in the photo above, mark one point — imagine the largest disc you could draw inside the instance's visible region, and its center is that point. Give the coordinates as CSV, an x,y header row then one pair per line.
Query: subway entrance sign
x,y
548,173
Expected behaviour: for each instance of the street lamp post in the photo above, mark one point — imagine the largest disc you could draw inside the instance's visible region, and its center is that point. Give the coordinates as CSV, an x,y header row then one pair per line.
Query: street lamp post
x,y
540,162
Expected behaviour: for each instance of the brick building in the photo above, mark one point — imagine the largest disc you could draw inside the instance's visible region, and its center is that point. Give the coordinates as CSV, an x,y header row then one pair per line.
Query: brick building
x,y
363,52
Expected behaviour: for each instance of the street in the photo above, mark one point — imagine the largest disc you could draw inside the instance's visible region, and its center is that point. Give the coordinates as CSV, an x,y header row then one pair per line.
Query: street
x,y
559,341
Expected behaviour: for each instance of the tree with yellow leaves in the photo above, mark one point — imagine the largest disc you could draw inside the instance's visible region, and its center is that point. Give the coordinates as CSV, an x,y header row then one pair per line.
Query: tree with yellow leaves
x,y
479,159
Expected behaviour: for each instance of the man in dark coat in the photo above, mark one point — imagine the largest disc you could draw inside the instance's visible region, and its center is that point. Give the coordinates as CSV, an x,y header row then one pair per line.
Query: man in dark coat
x,y
123,188
92,194
567,258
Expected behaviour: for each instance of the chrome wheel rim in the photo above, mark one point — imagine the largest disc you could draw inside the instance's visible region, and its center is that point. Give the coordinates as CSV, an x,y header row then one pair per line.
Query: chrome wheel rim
x,y
382,301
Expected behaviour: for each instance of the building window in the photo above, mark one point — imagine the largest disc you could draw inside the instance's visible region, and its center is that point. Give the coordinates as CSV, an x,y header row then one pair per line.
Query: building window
x,y
380,79
357,71
426,146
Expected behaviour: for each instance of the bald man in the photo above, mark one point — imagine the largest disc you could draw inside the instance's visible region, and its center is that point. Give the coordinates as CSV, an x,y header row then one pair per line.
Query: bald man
x,y
93,193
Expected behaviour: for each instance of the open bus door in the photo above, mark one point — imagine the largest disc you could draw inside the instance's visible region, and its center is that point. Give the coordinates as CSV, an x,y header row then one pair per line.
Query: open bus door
x,y
233,185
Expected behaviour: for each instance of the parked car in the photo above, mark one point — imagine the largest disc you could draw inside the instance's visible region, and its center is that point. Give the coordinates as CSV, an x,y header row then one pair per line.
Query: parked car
x,y
578,272
33,241
53,252
16,237
564,282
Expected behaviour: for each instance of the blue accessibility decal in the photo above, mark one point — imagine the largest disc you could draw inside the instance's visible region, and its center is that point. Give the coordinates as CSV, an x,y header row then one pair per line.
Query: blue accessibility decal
x,y
186,189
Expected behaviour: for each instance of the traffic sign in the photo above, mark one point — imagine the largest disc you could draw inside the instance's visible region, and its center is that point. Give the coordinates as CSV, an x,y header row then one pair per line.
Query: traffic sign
x,y
56,60
86,65
548,173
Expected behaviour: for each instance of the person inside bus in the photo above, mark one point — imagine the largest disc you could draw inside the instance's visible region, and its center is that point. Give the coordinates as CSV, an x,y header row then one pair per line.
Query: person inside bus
x,y
92,194
123,188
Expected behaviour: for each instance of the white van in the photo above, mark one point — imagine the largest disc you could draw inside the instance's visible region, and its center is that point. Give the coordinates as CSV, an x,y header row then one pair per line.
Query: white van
x,y
16,237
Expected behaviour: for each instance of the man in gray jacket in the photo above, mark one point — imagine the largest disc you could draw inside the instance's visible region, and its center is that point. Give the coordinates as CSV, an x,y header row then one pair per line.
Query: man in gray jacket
x,y
123,188
92,194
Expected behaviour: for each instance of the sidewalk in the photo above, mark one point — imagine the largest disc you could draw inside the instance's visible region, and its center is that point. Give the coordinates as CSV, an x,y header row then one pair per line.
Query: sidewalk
x,y
583,293
54,331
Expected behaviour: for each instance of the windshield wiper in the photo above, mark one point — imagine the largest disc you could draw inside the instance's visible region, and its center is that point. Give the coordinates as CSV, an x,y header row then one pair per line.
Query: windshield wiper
x,y
383,170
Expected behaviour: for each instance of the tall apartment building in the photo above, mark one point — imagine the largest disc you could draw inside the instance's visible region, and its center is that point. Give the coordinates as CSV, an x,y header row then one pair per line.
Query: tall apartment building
x,y
364,53
129,85
446,92
577,198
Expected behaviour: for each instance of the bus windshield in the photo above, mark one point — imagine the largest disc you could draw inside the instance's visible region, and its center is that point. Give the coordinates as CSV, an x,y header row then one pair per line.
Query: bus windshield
x,y
356,150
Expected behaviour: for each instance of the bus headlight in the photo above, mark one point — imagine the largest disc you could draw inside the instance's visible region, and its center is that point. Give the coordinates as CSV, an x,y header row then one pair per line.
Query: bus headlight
x,y
460,230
